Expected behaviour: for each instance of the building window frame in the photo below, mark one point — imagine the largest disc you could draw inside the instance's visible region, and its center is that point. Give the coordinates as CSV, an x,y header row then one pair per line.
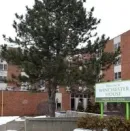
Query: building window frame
x,y
116,46
117,75
118,62
3,79
3,67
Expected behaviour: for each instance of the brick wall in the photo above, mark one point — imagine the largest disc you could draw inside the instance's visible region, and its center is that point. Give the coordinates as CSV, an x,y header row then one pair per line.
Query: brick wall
x,y
66,97
66,104
26,103
109,74
125,55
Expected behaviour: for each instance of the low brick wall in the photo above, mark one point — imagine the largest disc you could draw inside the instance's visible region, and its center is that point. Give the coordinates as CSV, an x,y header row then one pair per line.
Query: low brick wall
x,y
27,103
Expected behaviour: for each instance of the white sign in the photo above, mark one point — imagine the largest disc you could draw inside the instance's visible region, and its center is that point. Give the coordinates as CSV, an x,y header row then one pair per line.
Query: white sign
x,y
113,91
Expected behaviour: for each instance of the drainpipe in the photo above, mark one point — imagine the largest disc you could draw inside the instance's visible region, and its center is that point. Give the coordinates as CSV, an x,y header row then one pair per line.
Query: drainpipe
x,y
2,98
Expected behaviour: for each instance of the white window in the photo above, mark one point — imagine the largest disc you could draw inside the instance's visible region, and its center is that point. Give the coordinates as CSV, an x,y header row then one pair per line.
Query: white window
x,y
3,67
2,79
116,46
117,75
118,62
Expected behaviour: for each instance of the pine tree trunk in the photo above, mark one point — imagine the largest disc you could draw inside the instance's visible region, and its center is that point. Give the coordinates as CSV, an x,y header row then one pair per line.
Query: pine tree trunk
x,y
51,98
52,106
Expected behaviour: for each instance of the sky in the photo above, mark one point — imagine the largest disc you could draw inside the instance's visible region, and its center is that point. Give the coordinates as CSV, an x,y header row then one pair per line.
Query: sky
x,y
114,15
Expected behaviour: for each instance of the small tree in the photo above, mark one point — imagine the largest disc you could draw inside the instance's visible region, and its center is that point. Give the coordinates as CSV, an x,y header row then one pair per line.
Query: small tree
x,y
48,35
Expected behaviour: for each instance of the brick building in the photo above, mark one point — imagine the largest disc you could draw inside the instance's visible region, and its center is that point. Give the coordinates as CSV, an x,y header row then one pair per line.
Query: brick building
x,y
121,69
6,72
64,99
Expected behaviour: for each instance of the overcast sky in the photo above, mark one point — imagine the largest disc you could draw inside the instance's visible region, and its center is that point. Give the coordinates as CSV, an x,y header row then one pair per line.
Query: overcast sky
x,y
113,13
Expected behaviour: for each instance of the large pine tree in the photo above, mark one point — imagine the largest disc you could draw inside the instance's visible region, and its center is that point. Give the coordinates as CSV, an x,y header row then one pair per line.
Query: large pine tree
x,y
48,35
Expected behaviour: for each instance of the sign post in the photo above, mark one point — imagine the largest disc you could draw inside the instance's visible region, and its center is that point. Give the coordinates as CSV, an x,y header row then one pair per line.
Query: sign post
x,y
101,109
127,111
118,91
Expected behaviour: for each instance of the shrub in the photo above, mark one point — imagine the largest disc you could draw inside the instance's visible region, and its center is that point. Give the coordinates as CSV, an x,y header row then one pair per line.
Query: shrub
x,y
93,108
109,123
80,107
90,122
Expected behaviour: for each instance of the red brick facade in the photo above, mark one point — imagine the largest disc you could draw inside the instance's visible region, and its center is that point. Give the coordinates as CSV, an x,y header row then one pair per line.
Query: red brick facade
x,y
21,103
26,103
125,57
66,104
109,74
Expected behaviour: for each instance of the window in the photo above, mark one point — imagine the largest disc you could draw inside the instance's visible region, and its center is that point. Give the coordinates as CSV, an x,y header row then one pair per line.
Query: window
x,y
116,46
2,79
118,62
85,96
72,104
117,75
3,66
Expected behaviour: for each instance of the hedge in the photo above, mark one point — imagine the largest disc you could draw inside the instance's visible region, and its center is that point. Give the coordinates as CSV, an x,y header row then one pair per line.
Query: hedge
x,y
109,123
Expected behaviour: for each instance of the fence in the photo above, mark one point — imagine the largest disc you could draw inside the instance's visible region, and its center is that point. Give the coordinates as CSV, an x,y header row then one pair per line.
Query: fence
x,y
51,124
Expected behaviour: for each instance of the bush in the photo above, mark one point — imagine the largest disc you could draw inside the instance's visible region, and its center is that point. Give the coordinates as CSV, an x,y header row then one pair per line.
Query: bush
x,y
93,108
109,123
80,107
90,122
